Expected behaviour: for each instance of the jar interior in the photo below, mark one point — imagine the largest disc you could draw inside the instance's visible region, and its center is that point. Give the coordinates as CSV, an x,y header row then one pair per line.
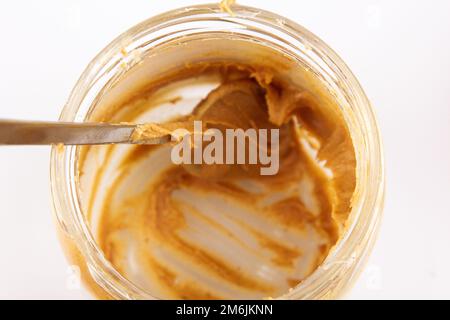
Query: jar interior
x,y
241,254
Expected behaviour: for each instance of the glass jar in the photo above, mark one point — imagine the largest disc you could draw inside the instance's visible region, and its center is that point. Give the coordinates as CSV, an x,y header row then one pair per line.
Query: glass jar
x,y
345,260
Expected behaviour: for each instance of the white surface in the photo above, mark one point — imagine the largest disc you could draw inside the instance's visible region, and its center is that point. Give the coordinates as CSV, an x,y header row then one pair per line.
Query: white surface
x,y
399,50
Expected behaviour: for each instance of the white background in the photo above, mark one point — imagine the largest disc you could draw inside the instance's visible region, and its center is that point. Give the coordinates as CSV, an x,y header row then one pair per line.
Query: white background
x,y
399,50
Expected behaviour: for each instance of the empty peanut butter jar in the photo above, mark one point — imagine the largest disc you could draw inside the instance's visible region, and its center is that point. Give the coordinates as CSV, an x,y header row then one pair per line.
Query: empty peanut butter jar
x,y
138,226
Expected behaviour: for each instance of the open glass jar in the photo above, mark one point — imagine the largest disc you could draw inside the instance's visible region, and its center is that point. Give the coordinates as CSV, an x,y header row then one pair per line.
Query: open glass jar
x,y
171,38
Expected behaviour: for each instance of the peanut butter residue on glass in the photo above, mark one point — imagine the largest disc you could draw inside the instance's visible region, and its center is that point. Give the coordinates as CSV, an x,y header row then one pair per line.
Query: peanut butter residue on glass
x,y
225,231
225,5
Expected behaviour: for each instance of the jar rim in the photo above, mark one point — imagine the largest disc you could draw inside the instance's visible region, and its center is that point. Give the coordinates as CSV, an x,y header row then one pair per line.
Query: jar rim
x,y
343,258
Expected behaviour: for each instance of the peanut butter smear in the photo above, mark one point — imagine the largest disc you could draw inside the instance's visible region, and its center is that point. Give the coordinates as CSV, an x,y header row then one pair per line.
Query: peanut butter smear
x,y
143,133
224,231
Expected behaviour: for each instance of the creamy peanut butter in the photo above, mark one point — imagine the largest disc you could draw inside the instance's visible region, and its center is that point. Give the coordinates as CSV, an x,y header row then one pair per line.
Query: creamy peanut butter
x,y
224,231
143,133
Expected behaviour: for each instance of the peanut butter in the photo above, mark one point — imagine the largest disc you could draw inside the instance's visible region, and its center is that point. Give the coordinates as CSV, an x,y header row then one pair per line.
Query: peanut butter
x,y
224,231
